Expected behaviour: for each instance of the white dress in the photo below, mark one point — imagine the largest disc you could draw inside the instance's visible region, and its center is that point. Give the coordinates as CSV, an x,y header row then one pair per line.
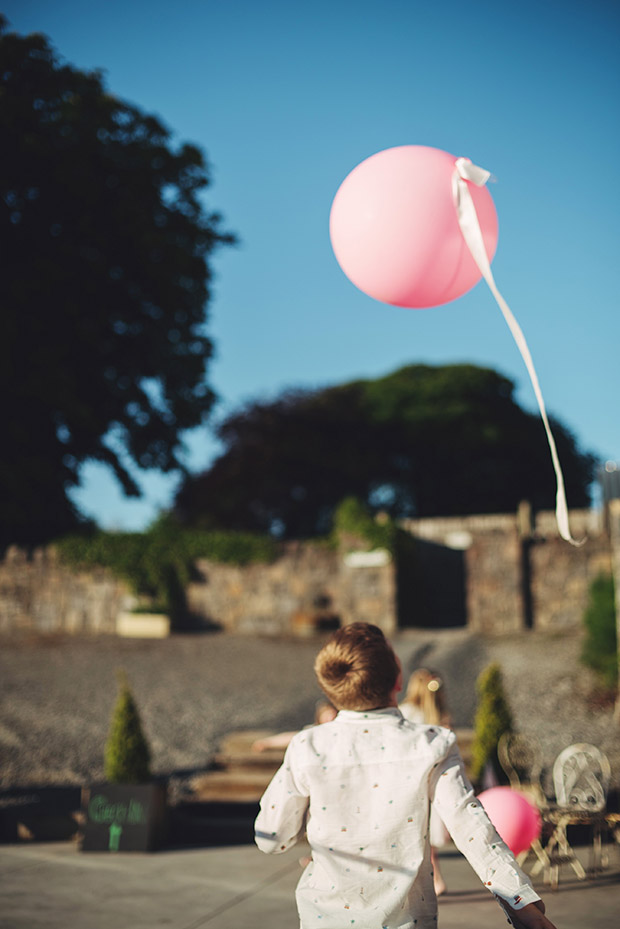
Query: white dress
x,y
360,787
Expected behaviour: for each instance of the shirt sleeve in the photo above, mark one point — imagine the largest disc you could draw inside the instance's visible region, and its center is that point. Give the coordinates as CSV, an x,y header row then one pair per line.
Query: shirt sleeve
x,y
283,808
474,834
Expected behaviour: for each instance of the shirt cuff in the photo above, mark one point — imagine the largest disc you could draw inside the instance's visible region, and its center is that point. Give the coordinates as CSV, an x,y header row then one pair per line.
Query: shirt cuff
x,y
523,898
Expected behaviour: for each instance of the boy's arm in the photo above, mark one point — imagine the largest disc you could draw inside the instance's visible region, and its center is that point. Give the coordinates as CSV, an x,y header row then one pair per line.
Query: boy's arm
x,y
283,810
476,837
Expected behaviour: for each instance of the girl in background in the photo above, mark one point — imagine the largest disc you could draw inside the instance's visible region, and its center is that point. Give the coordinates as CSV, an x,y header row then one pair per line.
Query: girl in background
x,y
324,713
425,703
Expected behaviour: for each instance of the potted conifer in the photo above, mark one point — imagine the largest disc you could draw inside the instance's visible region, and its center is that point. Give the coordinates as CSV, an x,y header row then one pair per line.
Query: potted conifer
x,y
493,719
128,811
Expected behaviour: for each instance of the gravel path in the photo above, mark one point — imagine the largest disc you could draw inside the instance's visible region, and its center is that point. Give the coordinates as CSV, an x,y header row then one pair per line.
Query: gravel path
x,y
57,694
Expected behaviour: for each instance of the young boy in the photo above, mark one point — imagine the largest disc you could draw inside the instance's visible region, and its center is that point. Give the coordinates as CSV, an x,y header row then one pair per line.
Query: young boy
x,y
361,786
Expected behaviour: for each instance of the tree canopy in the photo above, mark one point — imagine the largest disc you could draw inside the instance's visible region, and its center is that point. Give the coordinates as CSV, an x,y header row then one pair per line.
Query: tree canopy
x,y
105,283
422,441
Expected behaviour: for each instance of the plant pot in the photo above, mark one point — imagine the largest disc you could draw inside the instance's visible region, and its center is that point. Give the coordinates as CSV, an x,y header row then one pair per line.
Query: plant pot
x,y
123,817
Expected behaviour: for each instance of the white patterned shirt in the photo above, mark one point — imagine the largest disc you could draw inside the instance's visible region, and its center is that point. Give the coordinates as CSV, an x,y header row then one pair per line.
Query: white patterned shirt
x,y
361,786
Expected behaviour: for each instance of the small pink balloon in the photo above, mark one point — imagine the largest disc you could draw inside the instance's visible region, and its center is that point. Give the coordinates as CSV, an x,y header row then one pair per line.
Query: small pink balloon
x,y
516,819
395,233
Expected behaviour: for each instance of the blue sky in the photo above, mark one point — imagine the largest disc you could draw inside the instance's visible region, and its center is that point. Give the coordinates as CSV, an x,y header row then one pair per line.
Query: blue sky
x,y
286,98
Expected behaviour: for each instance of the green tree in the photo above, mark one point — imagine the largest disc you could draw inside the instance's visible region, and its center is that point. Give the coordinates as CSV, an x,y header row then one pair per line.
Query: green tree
x,y
423,441
127,756
105,283
600,647
493,719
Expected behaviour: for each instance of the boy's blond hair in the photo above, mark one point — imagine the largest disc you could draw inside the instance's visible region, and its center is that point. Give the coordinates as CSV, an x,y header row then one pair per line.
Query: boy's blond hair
x,y
357,669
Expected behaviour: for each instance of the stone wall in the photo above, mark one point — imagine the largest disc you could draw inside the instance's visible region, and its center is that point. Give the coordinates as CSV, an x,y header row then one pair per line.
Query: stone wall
x,y
39,595
268,599
494,583
561,573
368,589
496,574
309,587
518,572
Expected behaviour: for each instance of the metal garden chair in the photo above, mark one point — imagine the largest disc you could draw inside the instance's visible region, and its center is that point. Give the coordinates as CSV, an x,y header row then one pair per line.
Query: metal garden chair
x,y
581,776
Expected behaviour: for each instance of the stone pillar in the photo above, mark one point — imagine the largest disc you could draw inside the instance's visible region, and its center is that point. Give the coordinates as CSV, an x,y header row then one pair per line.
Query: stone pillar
x,y
368,589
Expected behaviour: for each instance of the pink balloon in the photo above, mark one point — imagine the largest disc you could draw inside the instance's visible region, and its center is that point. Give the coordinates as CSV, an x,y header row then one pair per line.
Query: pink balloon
x,y
516,819
395,232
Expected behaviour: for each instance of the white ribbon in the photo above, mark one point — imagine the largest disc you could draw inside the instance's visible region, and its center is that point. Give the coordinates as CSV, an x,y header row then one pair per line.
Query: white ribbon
x,y
465,171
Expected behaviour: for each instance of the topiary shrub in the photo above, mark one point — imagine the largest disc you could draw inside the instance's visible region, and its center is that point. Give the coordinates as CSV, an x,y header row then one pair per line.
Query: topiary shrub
x,y
600,646
493,718
127,755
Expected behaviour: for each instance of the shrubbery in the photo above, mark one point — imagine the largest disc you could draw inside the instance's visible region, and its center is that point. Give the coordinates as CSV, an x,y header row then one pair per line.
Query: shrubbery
x,y
352,517
158,563
493,718
127,756
600,647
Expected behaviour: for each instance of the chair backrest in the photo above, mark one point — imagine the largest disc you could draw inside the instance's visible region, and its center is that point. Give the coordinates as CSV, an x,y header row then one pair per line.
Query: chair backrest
x,y
521,758
581,776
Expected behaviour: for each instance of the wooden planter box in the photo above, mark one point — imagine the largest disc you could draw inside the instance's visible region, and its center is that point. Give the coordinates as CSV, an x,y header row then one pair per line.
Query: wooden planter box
x,y
143,625
123,817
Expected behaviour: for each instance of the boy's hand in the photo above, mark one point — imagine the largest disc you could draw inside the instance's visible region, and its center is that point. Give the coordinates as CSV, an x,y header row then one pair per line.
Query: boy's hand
x,y
531,916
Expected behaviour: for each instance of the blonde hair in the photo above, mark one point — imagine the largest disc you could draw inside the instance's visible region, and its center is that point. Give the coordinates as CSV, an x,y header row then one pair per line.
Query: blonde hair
x,y
357,668
425,690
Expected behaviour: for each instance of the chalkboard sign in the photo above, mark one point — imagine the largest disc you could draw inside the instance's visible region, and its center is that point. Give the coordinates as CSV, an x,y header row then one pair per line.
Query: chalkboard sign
x,y
123,817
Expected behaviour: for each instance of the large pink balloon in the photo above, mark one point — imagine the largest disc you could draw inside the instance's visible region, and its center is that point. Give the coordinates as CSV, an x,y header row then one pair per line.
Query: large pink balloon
x,y
395,232
516,819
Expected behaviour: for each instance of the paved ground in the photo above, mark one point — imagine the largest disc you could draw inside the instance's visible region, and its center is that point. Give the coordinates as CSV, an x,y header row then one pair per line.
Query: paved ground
x,y
192,691
54,886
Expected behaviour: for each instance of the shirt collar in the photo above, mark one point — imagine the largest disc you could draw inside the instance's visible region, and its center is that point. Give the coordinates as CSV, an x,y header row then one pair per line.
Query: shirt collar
x,y
365,716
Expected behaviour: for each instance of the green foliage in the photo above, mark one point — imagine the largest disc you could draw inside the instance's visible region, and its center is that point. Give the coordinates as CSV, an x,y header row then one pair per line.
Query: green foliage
x,y
600,646
158,563
127,755
422,441
493,718
105,280
353,518
239,548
